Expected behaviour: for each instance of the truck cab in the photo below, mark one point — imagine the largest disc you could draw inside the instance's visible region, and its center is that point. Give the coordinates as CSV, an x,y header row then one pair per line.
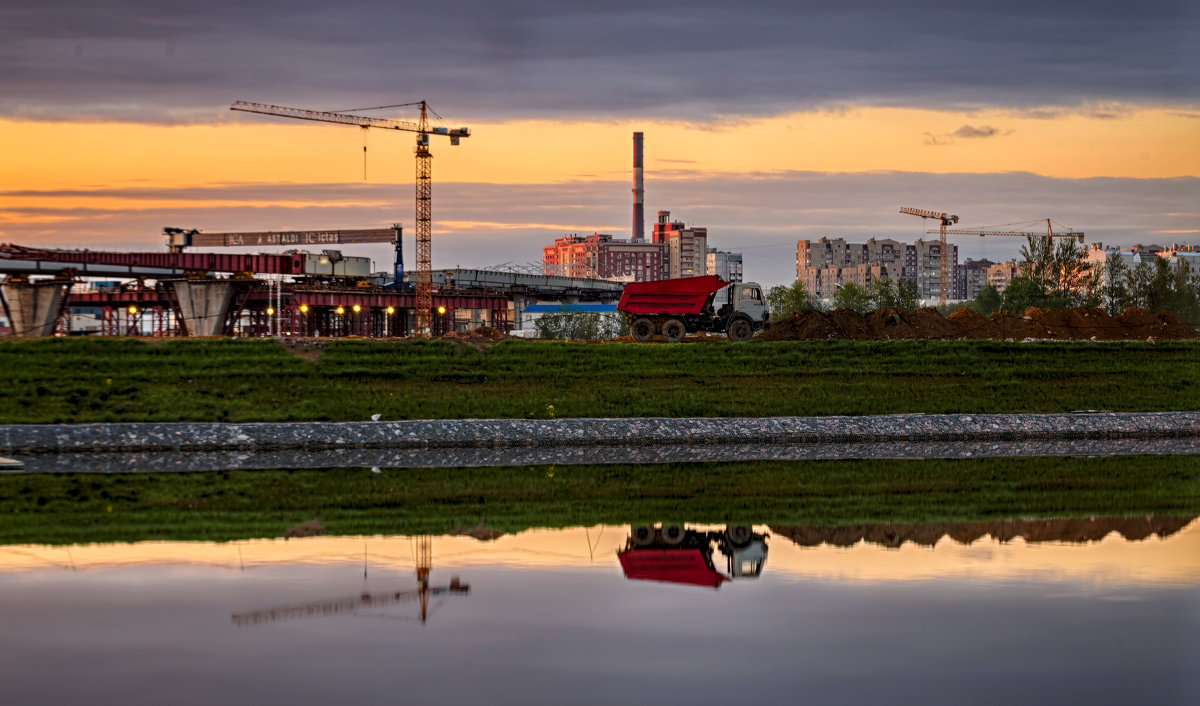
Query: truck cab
x,y
748,299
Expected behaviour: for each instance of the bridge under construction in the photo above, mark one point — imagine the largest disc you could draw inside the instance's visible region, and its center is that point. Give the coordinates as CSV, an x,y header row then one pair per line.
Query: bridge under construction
x,y
181,293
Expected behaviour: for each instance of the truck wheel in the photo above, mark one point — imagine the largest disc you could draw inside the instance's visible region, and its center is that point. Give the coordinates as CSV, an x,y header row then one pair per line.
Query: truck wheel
x,y
642,330
673,534
674,330
642,535
739,330
739,535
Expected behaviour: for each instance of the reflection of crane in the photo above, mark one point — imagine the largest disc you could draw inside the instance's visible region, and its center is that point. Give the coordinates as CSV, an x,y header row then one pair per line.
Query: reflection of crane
x,y
350,604
424,273
423,555
945,220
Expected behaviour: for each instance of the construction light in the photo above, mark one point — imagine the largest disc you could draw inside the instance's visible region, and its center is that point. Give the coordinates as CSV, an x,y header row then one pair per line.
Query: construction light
x,y
441,310
132,309
304,308
341,310
270,311
357,308
391,310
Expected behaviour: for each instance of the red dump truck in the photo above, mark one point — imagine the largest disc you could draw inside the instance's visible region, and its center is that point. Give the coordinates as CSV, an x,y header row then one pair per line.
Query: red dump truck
x,y
676,307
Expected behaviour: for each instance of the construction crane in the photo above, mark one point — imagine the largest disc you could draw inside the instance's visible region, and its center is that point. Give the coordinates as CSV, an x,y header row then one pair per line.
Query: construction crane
x,y
1049,234
424,272
944,220
422,554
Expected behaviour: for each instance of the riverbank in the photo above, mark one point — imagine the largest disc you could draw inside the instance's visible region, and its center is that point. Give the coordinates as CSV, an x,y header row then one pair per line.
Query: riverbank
x,y
71,508
84,381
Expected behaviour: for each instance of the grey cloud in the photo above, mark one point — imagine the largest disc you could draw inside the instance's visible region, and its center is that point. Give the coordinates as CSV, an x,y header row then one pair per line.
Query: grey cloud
x,y
482,60
760,215
970,131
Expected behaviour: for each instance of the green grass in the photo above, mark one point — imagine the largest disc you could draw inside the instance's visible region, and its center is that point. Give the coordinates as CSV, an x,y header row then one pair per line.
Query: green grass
x,y
229,505
109,380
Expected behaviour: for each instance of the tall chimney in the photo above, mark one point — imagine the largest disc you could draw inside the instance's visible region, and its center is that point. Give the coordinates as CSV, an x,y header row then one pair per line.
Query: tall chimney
x,y
639,195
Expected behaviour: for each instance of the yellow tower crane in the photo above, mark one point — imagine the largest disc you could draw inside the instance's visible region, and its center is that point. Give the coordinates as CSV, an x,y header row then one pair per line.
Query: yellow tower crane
x,y
424,272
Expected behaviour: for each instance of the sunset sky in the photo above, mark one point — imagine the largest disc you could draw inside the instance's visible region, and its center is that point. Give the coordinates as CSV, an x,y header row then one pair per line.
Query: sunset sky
x,y
765,122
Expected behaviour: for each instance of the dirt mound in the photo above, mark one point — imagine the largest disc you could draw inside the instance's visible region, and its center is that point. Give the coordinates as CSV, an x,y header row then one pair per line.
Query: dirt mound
x,y
852,324
1175,327
804,325
1139,323
972,324
892,322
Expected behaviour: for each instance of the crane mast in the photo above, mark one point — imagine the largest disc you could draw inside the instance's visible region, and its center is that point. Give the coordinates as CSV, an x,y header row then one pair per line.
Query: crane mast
x,y
424,183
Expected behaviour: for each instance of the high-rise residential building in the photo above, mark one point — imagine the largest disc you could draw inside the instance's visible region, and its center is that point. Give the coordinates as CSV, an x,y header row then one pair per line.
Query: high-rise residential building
x,y
972,278
601,256
1001,274
726,265
686,247
825,264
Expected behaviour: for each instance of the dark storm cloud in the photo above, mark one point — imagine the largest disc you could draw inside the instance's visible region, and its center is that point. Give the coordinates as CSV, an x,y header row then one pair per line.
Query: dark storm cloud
x,y
486,60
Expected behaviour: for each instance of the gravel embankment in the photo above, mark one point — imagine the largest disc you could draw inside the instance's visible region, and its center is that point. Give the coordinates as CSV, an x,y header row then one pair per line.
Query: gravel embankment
x,y
502,433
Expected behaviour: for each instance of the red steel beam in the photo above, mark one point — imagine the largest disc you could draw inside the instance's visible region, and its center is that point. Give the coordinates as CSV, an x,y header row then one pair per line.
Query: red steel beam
x,y
292,264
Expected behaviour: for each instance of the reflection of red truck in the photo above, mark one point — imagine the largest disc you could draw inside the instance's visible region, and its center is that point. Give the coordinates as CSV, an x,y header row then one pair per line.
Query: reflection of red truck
x,y
673,554
677,307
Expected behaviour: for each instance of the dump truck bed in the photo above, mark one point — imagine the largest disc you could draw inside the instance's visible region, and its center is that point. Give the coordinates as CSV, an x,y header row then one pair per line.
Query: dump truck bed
x,y
669,296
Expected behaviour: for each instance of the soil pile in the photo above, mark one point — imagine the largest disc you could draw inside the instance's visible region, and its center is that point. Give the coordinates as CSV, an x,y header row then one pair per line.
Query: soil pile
x,y
1080,324
972,324
893,322
480,336
805,325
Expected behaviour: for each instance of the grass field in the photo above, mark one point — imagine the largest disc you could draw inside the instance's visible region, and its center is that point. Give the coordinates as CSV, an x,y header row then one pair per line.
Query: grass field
x,y
228,505
109,380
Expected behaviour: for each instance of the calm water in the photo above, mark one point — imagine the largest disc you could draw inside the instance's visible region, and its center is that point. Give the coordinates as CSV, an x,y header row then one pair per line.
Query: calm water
x,y
552,617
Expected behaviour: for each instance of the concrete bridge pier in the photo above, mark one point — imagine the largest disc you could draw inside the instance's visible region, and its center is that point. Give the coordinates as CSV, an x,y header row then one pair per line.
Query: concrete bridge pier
x,y
34,307
204,305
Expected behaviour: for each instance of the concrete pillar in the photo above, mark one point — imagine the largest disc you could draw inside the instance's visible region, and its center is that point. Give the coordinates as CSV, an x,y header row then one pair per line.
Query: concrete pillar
x,y
34,307
204,305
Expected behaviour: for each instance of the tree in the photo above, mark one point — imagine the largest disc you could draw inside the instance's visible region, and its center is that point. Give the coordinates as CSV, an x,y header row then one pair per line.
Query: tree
x,y
852,296
900,293
1061,271
787,300
1024,292
988,301
1116,294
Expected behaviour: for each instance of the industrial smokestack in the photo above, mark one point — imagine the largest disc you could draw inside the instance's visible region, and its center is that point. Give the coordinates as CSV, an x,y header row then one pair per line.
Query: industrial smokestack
x,y
639,195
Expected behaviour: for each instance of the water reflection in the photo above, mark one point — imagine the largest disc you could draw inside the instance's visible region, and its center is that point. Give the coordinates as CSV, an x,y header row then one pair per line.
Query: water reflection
x,y
366,600
684,555
1102,610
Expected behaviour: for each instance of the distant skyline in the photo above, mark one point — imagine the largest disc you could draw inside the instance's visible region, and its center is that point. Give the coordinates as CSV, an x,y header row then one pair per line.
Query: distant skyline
x,y
765,123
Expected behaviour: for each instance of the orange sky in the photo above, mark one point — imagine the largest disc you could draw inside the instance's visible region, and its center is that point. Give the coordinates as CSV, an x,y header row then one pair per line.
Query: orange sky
x,y
1140,143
